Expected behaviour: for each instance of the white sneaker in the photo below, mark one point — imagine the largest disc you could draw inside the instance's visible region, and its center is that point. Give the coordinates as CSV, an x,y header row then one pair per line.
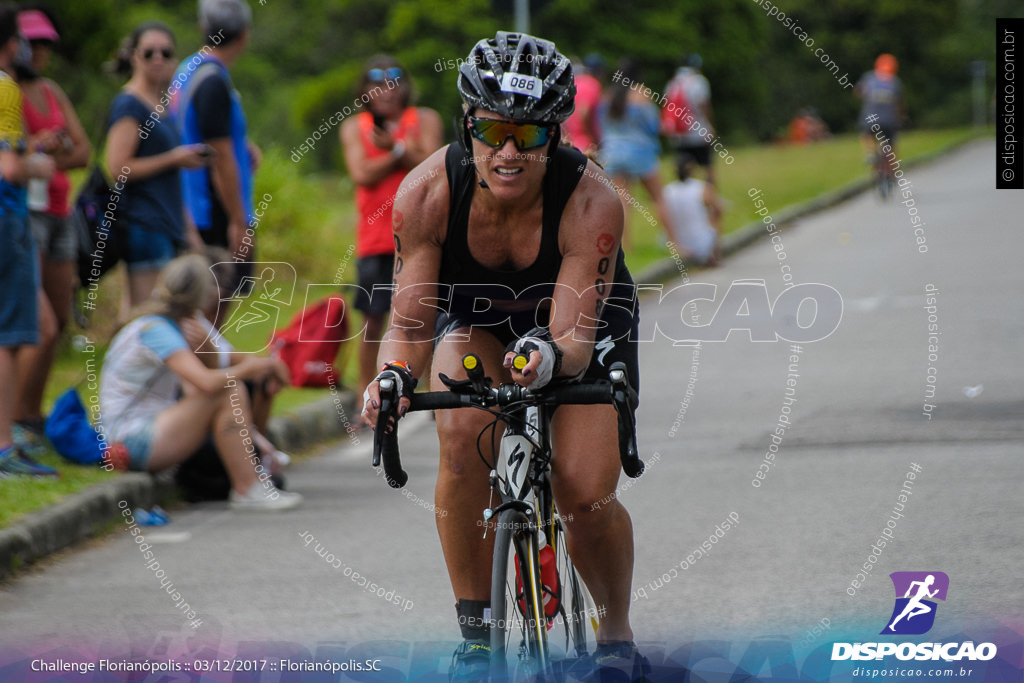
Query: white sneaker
x,y
282,458
264,496
277,461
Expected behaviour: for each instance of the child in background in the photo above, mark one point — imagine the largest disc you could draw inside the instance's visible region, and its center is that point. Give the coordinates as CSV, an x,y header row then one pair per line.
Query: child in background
x,y
695,210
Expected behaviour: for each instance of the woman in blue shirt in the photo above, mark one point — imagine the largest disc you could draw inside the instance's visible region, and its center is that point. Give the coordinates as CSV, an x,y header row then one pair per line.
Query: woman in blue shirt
x,y
629,142
143,146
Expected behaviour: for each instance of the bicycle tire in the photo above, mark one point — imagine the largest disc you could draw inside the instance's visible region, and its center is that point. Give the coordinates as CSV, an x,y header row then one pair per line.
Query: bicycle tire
x,y
576,601
514,546
879,173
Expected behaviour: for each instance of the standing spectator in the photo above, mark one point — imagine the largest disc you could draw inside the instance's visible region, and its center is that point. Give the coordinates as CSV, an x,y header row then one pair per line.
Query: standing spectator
x,y
689,86
696,212
582,128
54,130
150,157
209,110
19,274
161,403
629,124
381,145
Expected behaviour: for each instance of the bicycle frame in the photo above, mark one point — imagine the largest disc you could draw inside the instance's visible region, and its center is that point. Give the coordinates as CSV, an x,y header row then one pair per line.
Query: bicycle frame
x,y
515,456
523,456
520,478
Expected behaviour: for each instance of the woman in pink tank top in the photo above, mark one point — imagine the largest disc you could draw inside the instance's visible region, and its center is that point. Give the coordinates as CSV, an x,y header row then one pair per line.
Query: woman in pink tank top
x,y
53,129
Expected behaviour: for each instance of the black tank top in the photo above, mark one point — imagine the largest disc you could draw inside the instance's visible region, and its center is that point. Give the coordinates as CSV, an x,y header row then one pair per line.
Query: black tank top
x,y
511,289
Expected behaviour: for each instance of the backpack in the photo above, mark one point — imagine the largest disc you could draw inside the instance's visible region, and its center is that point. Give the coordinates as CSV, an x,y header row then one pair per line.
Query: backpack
x,y
676,107
310,342
101,241
69,430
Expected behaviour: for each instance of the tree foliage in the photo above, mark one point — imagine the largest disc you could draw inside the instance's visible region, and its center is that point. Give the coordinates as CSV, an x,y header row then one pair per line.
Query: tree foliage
x,y
306,55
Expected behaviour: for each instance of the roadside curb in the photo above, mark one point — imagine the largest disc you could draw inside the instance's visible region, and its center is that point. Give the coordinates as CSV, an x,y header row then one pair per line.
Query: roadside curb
x,y
88,513
667,268
80,516
330,417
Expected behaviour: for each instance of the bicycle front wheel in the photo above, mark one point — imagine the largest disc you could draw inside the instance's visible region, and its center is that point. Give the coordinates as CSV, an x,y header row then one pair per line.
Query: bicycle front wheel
x,y
518,624
581,614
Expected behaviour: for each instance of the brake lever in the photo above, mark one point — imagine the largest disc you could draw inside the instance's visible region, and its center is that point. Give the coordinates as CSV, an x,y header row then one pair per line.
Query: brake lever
x,y
625,399
387,405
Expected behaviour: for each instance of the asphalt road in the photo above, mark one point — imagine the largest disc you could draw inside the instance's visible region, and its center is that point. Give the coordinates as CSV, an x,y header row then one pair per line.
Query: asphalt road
x,y
856,427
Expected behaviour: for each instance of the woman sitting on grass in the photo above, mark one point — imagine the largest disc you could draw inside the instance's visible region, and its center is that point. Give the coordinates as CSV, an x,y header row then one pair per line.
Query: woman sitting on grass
x,y
147,366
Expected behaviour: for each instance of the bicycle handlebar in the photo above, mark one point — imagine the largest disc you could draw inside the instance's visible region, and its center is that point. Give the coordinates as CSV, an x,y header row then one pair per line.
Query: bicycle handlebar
x,y
615,391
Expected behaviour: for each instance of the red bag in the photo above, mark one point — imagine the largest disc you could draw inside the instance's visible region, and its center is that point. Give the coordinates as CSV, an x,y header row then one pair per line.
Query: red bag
x,y
676,107
310,343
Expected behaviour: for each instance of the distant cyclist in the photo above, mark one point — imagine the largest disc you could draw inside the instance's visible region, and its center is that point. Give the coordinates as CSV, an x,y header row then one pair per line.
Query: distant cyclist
x,y
505,216
881,95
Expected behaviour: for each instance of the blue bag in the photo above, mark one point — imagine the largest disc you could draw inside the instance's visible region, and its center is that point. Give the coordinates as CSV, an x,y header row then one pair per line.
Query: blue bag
x,y
69,430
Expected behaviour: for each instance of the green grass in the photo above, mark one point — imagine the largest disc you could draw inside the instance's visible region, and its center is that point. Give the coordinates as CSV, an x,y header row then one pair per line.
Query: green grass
x,y
23,495
310,223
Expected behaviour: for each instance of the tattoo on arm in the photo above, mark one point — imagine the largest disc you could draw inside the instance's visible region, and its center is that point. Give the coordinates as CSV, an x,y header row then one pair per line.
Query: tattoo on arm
x,y
605,244
601,285
399,263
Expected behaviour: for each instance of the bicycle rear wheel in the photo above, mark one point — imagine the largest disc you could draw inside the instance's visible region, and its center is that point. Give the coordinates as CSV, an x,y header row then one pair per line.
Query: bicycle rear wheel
x,y
521,630
882,178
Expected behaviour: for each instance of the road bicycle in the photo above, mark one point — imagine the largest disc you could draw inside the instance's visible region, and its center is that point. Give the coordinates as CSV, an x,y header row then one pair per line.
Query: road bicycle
x,y
882,172
526,598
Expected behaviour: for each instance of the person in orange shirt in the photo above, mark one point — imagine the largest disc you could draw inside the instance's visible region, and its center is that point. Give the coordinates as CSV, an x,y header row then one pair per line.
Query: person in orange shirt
x,y
381,145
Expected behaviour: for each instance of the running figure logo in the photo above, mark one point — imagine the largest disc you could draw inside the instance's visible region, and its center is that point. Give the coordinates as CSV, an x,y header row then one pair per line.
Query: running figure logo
x,y
256,300
914,613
